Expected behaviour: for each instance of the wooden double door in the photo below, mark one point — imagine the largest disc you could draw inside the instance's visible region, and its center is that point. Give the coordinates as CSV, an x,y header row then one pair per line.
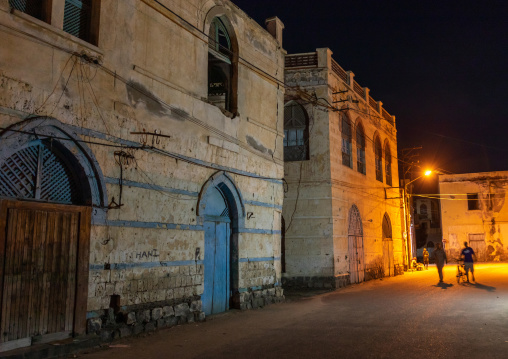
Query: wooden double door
x,y
44,256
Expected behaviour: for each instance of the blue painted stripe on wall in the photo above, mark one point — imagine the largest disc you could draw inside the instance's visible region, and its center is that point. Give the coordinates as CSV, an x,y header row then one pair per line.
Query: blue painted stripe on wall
x,y
151,186
261,259
103,136
263,204
145,264
157,225
258,231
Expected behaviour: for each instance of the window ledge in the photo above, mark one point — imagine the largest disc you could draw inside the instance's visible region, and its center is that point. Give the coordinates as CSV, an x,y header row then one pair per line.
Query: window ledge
x,y
55,35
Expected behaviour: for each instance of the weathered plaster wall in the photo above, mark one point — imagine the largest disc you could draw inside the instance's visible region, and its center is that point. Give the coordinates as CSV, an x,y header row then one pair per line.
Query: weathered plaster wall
x,y
149,72
491,219
317,239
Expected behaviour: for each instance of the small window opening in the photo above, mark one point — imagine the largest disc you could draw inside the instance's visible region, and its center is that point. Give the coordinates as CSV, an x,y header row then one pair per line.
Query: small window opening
x,y
296,132
472,202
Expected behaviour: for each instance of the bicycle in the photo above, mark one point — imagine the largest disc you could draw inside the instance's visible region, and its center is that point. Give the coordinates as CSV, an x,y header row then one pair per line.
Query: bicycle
x,y
461,272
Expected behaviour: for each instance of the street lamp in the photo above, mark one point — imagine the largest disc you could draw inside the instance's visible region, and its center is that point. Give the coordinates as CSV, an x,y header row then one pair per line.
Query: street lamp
x,y
407,216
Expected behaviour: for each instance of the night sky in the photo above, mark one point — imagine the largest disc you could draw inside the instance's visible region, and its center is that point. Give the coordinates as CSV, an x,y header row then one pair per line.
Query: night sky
x,y
438,66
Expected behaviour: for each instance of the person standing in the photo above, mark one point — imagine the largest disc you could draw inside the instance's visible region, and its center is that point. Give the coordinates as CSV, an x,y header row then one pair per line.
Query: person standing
x,y
425,258
467,255
439,257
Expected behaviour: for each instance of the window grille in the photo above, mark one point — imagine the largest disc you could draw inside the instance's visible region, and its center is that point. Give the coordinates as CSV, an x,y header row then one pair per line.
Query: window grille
x,y
472,202
347,155
379,160
36,172
360,149
296,133
77,18
31,7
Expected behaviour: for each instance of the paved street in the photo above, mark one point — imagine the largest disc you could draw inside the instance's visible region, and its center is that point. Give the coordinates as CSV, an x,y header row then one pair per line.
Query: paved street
x,y
408,316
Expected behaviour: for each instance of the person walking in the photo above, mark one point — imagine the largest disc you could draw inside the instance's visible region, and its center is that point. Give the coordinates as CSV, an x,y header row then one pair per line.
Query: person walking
x,y
467,255
425,258
439,257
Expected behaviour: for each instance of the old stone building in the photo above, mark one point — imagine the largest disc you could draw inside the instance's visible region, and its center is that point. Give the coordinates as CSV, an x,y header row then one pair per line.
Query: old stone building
x,y
474,210
342,210
427,223
141,180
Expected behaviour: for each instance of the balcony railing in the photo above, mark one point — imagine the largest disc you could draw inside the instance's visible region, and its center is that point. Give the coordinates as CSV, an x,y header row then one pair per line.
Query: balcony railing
x,y
302,60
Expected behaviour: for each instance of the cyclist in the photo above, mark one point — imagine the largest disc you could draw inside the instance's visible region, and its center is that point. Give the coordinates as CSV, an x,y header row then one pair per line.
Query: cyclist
x,y
467,255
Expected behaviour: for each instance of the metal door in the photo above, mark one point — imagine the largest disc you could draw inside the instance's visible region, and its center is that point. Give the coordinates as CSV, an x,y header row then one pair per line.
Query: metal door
x,y
43,272
355,237
217,228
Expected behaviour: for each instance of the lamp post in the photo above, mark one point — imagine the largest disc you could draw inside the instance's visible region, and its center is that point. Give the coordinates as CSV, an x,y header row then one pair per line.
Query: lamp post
x,y
407,216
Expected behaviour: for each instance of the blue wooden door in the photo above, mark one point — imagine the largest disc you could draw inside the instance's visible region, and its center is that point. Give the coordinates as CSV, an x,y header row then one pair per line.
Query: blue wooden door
x,y
217,228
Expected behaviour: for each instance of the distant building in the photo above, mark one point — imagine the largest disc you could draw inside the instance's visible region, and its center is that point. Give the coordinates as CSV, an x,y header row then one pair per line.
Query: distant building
x,y
427,223
141,164
473,207
342,210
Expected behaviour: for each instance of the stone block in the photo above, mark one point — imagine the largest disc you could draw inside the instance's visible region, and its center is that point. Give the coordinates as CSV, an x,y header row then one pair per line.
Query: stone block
x,y
258,303
171,321
143,316
156,313
138,328
257,294
150,327
271,292
200,317
182,319
190,318
181,309
167,311
94,325
196,306
123,332
160,323
106,335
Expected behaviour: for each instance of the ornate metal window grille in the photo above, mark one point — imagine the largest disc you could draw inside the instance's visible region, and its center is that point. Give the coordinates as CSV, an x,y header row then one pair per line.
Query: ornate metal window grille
x,y
388,165
347,151
378,154
77,18
38,173
296,133
360,150
31,7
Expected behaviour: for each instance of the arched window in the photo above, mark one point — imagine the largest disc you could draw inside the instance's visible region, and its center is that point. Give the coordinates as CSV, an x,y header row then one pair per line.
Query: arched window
x,y
387,228
360,149
388,164
296,132
220,66
378,154
347,152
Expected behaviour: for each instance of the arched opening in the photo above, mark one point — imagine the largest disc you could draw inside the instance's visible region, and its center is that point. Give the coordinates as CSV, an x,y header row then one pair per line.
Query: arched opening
x,y
355,242
47,189
388,264
222,64
221,211
296,132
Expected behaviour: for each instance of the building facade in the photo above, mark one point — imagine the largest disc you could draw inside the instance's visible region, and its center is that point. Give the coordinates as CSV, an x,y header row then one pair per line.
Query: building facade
x,y
473,210
141,180
427,224
342,207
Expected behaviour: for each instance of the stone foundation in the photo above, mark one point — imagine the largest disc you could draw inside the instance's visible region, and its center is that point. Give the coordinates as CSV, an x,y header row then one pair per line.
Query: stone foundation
x,y
316,282
258,298
110,324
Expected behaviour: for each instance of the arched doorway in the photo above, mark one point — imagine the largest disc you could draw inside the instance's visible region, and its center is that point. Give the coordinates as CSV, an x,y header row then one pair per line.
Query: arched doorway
x,y
355,238
45,218
221,211
387,247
